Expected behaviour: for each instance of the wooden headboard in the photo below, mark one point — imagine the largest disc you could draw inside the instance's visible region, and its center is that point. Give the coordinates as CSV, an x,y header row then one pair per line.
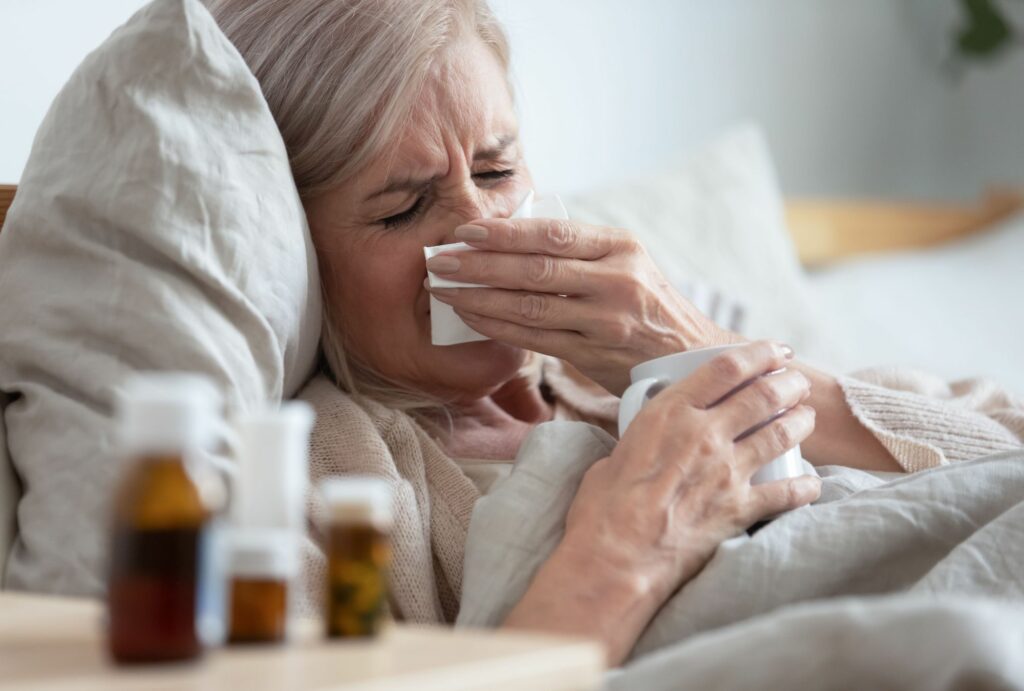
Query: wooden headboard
x,y
6,197
826,231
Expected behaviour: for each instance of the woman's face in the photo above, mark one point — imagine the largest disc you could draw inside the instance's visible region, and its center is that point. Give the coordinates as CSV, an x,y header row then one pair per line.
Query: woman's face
x,y
458,159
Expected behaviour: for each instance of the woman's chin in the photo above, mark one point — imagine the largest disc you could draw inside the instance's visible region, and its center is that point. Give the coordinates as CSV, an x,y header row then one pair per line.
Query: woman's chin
x,y
483,351
486,355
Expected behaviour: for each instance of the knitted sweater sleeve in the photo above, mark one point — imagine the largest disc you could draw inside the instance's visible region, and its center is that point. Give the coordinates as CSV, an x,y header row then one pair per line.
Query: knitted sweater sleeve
x,y
925,422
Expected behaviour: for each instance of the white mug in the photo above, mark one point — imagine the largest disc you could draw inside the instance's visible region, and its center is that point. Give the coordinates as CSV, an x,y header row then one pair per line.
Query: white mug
x,y
666,370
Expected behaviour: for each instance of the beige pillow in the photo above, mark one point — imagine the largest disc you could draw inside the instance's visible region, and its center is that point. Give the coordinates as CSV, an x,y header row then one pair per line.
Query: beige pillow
x,y
720,219
157,226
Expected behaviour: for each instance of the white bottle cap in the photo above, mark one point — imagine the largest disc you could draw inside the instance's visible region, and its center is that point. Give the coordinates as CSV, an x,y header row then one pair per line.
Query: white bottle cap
x,y
273,474
167,412
263,554
358,499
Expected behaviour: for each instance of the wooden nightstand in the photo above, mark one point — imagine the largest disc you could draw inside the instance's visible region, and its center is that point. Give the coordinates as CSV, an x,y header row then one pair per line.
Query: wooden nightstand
x,y
48,642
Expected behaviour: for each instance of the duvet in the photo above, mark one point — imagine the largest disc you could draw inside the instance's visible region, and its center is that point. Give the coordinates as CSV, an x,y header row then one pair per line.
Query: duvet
x,y
888,581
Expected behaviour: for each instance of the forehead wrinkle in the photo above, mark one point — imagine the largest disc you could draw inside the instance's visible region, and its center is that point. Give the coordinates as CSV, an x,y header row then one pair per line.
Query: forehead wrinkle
x,y
422,147
467,113
450,121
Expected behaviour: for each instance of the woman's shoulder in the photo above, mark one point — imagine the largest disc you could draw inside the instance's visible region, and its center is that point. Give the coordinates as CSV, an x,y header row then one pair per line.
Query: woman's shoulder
x,y
333,405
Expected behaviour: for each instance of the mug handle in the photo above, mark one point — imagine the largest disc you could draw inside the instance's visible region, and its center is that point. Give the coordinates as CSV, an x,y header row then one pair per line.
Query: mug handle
x,y
633,400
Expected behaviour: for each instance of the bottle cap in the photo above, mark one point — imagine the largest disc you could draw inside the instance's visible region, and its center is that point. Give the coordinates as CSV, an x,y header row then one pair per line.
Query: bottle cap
x,y
272,474
264,554
167,412
357,499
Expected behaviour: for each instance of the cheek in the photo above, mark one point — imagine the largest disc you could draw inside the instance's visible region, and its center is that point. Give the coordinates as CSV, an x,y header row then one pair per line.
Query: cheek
x,y
377,290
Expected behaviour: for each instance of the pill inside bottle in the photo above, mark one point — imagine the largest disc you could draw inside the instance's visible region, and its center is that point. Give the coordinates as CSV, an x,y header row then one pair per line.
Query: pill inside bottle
x,y
358,555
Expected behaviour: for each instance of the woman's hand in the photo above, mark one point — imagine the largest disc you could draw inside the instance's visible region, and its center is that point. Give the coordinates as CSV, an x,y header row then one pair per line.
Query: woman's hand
x,y
647,519
588,295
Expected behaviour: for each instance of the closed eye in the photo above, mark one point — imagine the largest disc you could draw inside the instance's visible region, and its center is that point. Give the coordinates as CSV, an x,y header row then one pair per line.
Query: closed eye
x,y
495,174
410,214
404,217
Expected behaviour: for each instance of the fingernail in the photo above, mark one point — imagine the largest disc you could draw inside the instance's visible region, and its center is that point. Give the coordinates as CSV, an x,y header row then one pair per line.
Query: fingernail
x,y
811,487
471,233
444,264
787,351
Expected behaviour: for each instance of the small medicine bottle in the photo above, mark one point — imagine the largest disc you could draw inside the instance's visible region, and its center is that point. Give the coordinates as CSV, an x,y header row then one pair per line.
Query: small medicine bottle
x,y
160,557
358,555
262,565
267,520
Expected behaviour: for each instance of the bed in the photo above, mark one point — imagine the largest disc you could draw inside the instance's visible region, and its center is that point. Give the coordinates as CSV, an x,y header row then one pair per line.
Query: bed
x,y
855,253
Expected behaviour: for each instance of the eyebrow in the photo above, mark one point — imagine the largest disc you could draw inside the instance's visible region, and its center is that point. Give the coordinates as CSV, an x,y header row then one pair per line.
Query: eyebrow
x,y
408,183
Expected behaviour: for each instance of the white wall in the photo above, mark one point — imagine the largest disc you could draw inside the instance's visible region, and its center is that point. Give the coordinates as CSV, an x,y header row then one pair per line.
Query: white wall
x,y
41,43
851,93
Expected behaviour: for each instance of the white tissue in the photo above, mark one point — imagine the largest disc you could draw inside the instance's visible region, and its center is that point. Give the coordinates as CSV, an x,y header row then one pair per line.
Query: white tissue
x,y
446,328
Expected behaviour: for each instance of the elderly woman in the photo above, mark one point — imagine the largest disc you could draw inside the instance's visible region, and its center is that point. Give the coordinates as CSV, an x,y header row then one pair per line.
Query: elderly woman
x,y
402,133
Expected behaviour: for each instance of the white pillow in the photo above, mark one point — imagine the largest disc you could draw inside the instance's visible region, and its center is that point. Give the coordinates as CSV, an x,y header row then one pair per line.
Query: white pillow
x,y
720,219
157,226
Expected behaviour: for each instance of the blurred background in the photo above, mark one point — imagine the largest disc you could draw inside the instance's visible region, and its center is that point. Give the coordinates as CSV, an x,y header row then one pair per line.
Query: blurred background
x,y
866,98
909,100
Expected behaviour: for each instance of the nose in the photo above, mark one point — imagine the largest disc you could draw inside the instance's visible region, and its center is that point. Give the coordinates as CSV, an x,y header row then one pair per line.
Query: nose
x,y
471,204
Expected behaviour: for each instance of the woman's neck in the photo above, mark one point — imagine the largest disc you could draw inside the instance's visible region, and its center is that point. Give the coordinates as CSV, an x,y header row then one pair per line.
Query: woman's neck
x,y
493,427
522,399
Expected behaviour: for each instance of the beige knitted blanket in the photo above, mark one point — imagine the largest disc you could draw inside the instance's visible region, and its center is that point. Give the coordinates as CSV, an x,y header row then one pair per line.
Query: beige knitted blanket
x,y
433,500
923,421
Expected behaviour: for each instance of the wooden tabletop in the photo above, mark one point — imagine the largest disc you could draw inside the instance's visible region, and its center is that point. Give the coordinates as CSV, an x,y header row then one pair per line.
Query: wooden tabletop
x,y
57,643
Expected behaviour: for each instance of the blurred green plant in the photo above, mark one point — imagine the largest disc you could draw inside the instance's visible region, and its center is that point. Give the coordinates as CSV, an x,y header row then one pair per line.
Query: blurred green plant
x,y
987,33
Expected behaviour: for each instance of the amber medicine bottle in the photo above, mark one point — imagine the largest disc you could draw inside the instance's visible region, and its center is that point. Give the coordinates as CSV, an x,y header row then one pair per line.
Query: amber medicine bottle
x,y
358,555
158,584
267,520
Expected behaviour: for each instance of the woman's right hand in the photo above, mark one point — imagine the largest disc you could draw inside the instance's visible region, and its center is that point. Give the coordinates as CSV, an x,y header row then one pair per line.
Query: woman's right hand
x,y
646,519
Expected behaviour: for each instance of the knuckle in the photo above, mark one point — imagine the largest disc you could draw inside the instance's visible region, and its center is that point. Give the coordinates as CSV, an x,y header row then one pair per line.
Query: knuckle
x,y
792,494
728,366
616,329
633,288
785,433
724,477
807,421
562,235
533,308
540,269
515,240
628,241
708,445
769,393
574,273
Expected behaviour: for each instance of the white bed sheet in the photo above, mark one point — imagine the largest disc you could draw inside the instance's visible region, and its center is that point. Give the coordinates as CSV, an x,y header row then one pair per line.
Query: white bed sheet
x,y
956,311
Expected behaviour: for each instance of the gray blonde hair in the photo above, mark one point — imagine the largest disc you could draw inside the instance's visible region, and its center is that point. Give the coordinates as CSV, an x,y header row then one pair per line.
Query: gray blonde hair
x,y
341,77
